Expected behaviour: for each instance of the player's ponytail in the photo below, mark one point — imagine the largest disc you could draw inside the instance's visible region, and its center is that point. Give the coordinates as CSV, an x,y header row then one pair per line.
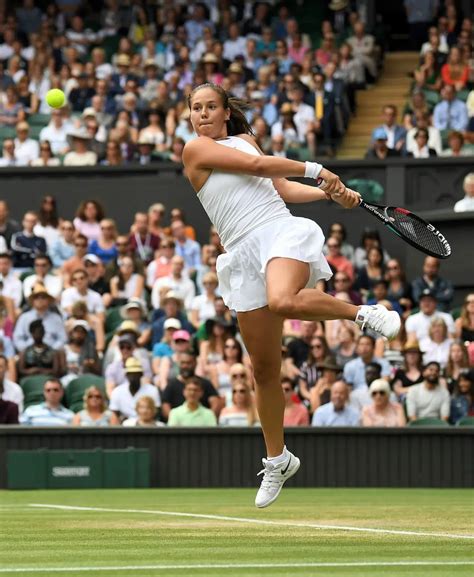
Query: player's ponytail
x,y
237,123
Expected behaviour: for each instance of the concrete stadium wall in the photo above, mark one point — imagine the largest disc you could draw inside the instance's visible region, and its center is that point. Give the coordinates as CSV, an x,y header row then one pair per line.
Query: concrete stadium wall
x,y
228,457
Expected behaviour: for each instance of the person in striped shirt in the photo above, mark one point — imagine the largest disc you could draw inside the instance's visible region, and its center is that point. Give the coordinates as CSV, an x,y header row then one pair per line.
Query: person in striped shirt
x,y
51,412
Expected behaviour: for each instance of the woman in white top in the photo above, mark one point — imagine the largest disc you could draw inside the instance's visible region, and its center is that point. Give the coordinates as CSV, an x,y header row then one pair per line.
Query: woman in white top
x,y
127,284
436,346
202,307
241,411
95,412
272,257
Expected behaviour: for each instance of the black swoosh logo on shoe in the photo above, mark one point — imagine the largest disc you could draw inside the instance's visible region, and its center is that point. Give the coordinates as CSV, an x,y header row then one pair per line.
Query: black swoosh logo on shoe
x,y
283,471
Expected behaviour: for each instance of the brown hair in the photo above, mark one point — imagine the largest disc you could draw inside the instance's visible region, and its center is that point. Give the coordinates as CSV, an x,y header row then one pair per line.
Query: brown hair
x,y
449,371
464,314
237,123
82,208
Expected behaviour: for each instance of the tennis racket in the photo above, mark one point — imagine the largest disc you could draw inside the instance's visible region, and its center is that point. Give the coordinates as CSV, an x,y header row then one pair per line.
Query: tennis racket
x,y
411,228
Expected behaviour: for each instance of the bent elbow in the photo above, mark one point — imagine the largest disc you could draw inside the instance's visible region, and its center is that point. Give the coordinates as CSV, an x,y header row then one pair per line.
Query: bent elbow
x,y
258,166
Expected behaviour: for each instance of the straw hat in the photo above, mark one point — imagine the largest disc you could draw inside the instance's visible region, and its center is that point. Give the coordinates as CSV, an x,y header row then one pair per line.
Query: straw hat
x,y
133,303
338,4
210,58
39,289
173,295
330,365
286,108
411,346
133,365
123,60
235,67
379,385
128,327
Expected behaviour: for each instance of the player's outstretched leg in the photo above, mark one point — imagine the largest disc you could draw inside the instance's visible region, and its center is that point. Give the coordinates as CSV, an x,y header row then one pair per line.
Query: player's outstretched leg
x,y
286,298
262,332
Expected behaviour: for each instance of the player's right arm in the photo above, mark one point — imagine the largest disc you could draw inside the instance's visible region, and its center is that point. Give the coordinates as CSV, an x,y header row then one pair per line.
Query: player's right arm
x,y
204,153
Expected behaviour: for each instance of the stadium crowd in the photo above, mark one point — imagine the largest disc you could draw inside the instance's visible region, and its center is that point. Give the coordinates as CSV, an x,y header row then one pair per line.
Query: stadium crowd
x,y
105,328
127,67
438,118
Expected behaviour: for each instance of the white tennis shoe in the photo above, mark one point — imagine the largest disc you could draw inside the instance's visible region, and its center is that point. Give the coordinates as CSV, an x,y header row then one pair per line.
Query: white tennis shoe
x,y
380,319
274,477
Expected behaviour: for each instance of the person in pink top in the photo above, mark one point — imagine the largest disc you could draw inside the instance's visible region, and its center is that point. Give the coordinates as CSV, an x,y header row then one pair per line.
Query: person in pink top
x,y
296,414
88,217
382,412
336,259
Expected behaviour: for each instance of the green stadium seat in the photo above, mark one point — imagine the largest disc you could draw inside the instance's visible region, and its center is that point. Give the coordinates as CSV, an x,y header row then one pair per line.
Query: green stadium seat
x,y
428,422
456,313
371,190
74,397
39,119
432,97
32,388
26,274
35,132
113,319
466,422
7,132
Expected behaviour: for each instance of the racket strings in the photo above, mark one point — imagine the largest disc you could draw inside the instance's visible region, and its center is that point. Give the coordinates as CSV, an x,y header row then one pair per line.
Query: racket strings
x,y
416,231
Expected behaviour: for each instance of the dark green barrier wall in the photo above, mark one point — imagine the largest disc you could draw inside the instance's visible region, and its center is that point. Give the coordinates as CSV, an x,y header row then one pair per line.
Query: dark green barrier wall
x,y
331,457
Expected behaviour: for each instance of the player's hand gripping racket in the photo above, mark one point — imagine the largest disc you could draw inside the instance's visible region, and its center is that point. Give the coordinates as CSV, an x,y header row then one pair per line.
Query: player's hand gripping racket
x,y
410,227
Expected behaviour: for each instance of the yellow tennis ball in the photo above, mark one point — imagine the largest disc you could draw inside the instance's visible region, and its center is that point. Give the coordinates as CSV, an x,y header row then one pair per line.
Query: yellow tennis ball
x,y
55,98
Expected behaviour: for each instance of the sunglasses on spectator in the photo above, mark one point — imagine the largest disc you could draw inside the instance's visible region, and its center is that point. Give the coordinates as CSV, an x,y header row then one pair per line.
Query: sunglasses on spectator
x,y
375,393
81,277
316,346
238,376
56,390
333,245
122,243
181,341
341,279
67,228
125,346
287,389
80,244
230,346
242,391
396,267
94,396
41,264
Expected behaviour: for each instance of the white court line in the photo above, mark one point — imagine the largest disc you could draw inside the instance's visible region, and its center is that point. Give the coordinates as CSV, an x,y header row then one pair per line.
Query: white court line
x,y
254,521
239,566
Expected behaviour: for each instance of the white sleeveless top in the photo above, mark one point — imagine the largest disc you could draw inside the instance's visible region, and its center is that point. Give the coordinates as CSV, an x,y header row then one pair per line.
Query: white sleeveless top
x,y
239,203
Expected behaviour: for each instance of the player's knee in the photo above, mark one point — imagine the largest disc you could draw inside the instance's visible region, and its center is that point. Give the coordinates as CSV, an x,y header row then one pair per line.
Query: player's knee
x,y
281,304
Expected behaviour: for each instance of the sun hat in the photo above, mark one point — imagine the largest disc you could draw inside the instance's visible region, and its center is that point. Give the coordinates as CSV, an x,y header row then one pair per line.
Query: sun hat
x,y
172,324
128,327
379,385
133,303
133,365
181,336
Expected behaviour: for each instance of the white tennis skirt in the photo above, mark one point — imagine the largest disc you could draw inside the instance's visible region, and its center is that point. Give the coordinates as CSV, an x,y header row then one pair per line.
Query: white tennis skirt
x,y
241,270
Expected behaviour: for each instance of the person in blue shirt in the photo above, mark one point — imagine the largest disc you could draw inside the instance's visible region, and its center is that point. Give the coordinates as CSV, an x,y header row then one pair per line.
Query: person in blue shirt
x,y
354,371
337,413
189,249
51,412
451,113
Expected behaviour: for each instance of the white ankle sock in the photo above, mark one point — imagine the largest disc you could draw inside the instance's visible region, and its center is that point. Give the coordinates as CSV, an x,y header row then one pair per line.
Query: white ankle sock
x,y
279,458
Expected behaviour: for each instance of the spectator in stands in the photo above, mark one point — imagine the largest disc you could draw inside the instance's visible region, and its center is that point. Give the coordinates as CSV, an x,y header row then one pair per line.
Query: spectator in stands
x,y
173,397
142,242
395,133
455,72
411,372
336,259
164,348
127,284
458,360
161,266
202,307
26,149
192,413
80,352
105,246
39,358
95,412
169,365
171,306
63,248
186,248
309,371
8,226
177,281
462,402
296,414
380,296
456,146
42,275
156,213
232,363
121,348
417,325
89,215
421,149
320,393
416,106
382,412
80,154
379,148
11,110
434,136
354,371
135,310
177,214
80,291
398,289
124,397
467,203
442,288
363,50
436,345
427,76
56,133
428,399
9,391
48,220
371,272
360,397
46,157
50,413
8,153
464,324
25,245
8,413
10,285
450,113
336,413
241,411
146,410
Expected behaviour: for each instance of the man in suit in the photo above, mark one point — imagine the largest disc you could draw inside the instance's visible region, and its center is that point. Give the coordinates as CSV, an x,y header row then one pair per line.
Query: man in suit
x,y
396,134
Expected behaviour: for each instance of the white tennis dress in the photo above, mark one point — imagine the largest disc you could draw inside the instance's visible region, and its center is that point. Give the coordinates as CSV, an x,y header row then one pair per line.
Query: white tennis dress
x,y
255,226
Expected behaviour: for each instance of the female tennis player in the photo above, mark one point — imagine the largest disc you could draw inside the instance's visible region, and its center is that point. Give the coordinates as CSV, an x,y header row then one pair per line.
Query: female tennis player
x,y
271,256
